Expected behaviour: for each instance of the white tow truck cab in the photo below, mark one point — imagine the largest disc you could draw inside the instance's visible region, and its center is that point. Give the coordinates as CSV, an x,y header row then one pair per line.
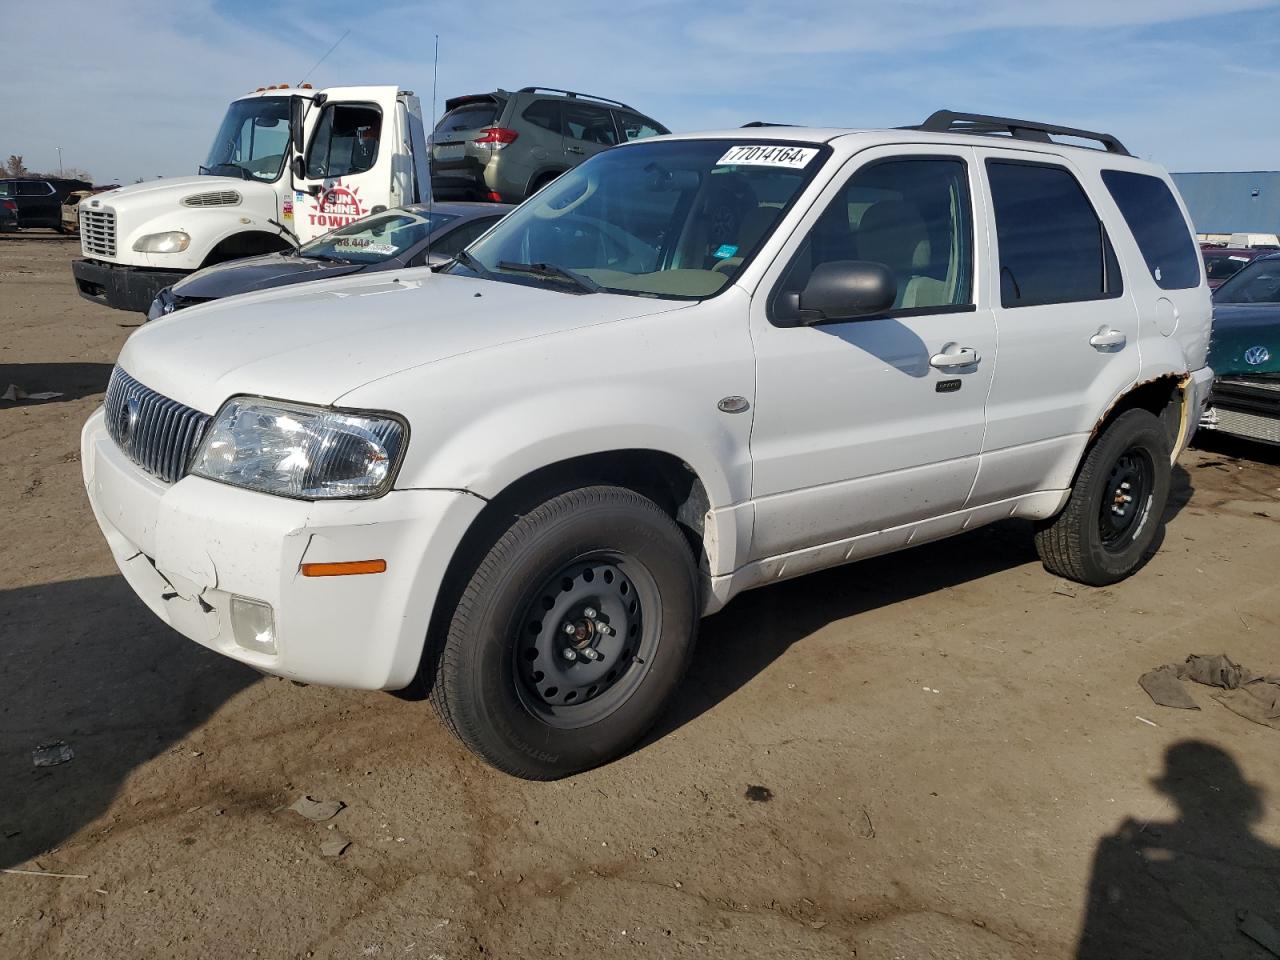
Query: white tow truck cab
x,y
287,164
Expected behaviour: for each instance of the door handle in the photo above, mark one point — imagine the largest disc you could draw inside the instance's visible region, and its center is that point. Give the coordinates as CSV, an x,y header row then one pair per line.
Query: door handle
x,y
574,150
953,356
1108,339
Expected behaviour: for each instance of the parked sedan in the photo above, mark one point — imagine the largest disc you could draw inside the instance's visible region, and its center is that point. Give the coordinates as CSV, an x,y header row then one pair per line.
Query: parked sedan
x,y
1245,353
408,236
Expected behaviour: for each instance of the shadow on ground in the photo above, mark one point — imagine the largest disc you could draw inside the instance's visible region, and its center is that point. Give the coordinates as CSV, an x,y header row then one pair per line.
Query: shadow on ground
x,y
86,662
759,626
72,380
1179,887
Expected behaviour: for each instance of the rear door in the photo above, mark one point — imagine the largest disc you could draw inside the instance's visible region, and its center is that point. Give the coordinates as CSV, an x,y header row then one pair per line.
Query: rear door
x,y
461,125
37,204
1067,327
588,129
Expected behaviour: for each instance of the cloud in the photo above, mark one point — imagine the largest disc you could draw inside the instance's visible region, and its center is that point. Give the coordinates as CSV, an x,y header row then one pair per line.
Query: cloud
x,y
139,92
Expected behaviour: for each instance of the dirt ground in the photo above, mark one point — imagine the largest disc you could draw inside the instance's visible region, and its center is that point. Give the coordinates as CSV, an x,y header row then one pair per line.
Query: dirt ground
x,y
943,753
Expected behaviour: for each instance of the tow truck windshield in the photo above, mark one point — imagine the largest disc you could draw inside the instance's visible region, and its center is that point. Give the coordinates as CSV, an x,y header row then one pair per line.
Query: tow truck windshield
x,y
252,141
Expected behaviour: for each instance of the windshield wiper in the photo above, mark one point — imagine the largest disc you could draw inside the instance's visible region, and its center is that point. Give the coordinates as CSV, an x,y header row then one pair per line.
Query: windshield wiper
x,y
327,258
471,263
549,271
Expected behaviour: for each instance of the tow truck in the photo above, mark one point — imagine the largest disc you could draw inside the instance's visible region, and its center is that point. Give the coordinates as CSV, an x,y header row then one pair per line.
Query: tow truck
x,y
287,164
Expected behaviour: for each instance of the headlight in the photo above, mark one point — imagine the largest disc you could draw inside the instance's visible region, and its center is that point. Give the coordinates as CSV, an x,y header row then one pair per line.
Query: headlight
x,y
162,305
293,450
172,241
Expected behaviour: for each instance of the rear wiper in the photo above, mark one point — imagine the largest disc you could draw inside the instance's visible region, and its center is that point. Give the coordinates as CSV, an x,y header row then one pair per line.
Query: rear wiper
x,y
549,271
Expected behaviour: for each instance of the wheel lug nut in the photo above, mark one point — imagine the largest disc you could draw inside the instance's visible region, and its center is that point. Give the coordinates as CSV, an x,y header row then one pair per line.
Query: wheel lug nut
x,y
591,654
605,629
590,613
569,628
569,654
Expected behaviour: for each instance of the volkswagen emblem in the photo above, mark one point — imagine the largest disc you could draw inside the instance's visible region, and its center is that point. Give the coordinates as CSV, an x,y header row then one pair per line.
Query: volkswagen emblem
x,y
1256,355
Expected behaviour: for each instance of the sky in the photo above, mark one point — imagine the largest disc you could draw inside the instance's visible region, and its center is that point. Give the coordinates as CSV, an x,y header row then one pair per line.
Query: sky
x,y
137,87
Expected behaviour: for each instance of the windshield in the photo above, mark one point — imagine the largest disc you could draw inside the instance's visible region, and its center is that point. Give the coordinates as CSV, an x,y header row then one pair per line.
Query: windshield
x,y
1259,282
676,219
252,141
376,238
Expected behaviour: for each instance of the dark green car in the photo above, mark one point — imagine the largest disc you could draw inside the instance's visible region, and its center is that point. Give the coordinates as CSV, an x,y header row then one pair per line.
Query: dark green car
x,y
1245,353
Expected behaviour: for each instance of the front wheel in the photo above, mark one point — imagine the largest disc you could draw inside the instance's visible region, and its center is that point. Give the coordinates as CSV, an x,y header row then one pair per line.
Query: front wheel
x,y
571,636
1113,516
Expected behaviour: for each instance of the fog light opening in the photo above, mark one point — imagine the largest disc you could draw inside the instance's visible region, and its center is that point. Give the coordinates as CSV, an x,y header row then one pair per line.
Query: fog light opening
x,y
253,624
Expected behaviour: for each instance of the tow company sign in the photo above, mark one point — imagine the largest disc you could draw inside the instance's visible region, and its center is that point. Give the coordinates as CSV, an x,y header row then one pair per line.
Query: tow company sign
x,y
335,206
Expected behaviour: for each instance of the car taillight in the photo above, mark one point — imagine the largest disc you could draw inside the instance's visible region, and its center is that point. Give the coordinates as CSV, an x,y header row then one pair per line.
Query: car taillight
x,y
9,204
497,137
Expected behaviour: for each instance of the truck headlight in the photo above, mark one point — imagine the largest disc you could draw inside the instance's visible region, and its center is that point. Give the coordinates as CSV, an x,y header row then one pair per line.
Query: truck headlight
x,y
293,450
171,241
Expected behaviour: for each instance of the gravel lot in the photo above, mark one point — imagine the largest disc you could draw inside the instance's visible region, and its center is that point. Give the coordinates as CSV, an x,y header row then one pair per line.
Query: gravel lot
x,y
935,754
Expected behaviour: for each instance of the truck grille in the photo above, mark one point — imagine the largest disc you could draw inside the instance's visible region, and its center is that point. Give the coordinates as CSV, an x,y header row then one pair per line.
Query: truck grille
x,y
98,231
158,434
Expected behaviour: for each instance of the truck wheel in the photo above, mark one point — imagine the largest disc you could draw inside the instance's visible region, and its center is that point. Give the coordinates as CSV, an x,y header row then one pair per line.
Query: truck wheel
x,y
1114,513
571,637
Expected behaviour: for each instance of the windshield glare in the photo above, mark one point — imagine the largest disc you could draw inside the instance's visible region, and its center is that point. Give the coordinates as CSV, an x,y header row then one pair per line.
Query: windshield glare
x,y
666,219
1259,282
252,141
376,238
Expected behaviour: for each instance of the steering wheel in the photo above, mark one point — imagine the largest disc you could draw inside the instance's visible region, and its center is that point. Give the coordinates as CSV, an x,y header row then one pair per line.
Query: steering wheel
x,y
547,211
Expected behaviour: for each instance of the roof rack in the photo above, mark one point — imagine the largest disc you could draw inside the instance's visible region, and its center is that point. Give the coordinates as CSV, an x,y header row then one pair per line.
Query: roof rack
x,y
574,94
765,123
949,121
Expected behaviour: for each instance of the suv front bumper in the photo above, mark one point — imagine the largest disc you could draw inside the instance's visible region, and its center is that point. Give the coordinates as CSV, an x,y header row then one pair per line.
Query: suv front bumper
x,y
187,549
119,285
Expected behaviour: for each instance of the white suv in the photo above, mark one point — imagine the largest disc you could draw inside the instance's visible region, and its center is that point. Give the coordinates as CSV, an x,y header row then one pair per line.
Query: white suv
x,y
691,366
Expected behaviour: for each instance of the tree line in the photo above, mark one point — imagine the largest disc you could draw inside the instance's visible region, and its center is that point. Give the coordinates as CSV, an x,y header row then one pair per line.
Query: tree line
x,y
14,167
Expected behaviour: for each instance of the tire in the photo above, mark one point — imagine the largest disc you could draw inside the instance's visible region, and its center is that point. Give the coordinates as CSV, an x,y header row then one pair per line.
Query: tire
x,y
499,677
1100,537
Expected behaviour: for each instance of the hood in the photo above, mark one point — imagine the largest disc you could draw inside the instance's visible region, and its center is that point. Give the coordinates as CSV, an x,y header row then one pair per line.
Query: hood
x,y
1246,339
315,342
183,186
259,273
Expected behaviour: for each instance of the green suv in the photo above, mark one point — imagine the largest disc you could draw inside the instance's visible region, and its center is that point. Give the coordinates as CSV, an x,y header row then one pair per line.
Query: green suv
x,y
504,146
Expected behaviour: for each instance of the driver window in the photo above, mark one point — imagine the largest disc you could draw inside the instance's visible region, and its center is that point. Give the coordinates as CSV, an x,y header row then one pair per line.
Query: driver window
x,y
345,141
913,215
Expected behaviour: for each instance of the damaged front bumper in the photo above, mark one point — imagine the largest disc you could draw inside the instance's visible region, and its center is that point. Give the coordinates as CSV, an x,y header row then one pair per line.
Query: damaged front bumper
x,y
188,548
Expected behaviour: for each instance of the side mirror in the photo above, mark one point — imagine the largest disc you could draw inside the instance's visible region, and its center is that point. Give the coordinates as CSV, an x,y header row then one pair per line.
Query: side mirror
x,y
297,115
843,290
299,168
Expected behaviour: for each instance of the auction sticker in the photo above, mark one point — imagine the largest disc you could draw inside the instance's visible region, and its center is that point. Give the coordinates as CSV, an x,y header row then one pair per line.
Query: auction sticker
x,y
764,155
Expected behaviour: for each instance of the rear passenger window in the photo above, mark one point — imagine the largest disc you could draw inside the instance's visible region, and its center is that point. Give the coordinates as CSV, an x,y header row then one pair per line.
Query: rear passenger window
x,y
582,121
1159,227
545,114
1053,248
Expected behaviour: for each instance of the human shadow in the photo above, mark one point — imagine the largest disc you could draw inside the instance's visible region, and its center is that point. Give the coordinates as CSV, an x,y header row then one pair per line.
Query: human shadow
x,y
87,663
72,380
1163,889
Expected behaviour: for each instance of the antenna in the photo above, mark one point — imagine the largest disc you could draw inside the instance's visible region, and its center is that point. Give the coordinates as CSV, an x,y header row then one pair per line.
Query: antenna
x,y
324,58
431,148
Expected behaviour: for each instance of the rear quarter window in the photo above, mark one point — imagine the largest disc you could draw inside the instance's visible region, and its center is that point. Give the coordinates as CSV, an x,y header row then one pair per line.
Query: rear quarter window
x,y
1148,207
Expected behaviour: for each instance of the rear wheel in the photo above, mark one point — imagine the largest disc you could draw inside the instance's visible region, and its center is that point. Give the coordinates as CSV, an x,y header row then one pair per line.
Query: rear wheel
x,y
1112,519
571,636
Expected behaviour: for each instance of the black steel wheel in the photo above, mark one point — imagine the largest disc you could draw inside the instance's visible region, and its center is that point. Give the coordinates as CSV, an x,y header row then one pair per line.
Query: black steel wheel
x,y
1112,519
571,635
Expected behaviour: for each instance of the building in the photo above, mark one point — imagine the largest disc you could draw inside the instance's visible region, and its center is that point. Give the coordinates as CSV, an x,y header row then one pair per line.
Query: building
x,y
1221,204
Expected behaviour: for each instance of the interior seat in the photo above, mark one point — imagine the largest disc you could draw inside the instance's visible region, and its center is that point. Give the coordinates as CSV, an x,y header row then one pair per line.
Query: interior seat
x,y
892,232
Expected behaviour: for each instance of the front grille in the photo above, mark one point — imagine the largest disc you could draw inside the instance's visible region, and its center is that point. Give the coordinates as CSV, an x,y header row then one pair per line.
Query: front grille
x,y
98,231
1249,425
217,198
158,434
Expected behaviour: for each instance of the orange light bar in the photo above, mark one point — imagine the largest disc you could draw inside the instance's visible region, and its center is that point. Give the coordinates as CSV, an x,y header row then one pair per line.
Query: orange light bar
x,y
345,569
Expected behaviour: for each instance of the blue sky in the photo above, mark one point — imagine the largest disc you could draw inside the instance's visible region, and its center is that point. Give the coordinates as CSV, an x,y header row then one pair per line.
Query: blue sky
x,y
138,86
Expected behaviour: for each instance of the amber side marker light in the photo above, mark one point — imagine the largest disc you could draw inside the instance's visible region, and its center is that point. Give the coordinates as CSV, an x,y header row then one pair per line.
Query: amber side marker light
x,y
344,569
